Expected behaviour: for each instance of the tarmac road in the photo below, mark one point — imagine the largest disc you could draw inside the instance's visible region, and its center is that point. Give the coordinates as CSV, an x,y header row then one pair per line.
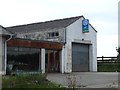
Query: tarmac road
x,y
86,79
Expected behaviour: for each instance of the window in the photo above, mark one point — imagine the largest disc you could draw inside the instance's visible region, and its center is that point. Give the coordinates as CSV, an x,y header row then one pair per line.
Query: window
x,y
56,34
53,34
23,58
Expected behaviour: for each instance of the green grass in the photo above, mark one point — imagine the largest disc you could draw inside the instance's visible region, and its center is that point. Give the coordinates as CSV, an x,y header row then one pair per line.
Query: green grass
x,y
108,67
27,81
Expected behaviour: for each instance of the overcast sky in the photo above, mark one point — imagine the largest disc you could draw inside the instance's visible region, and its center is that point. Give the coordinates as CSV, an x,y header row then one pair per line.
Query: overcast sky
x,y
102,14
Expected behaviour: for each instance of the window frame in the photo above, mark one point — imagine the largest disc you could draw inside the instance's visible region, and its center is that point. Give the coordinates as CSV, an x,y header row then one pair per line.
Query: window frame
x,y
53,34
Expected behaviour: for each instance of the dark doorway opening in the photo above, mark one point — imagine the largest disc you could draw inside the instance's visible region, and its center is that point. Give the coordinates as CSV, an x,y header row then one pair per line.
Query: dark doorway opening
x,y
52,61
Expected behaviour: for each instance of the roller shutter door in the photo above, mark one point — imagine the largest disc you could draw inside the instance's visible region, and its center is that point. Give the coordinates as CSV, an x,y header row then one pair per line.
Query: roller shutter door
x,y
80,57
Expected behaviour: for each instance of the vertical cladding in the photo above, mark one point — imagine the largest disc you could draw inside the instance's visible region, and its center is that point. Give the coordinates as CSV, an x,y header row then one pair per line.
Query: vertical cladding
x,y
80,57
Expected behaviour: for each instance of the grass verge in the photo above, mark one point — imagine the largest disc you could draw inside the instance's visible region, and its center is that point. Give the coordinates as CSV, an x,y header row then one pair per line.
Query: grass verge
x,y
108,67
27,81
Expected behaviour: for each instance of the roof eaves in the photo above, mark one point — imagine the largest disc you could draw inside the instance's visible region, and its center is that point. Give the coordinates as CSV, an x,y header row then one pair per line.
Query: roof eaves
x,y
8,32
92,27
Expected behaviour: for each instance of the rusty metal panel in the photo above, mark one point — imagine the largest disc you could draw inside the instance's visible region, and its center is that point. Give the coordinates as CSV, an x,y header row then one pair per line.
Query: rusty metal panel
x,y
35,44
54,58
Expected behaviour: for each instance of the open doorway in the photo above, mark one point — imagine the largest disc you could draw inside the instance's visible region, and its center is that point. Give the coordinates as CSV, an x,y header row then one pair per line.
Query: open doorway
x,y
52,61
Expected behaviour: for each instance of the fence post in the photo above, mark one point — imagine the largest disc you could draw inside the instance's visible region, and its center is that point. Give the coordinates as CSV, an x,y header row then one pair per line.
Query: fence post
x,y
102,58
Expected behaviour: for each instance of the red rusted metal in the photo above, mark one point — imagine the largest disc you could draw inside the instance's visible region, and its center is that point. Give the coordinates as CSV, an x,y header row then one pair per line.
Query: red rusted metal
x,y
35,44
54,58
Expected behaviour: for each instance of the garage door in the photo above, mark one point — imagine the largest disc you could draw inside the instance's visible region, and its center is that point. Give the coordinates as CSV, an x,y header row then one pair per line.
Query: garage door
x,y
80,57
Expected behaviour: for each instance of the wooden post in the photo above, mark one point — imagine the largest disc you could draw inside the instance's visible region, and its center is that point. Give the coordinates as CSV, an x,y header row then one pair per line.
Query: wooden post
x,y
58,60
54,59
39,60
102,58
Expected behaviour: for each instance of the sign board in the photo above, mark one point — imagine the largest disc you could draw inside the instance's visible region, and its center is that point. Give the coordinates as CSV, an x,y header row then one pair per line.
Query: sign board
x,y
85,25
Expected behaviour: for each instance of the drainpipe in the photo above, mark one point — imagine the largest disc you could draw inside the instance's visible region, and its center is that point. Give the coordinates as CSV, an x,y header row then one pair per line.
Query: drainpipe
x,y
5,52
65,36
63,62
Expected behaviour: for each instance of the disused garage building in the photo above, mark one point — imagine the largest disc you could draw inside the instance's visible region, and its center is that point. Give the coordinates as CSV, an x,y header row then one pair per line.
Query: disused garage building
x,y
62,45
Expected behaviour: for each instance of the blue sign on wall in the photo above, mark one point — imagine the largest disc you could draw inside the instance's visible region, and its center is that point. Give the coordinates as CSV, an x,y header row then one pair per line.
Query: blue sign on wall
x,y
85,25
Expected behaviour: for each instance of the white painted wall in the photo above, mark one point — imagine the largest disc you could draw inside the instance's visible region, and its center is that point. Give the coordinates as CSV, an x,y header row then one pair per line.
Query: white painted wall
x,y
74,34
43,60
43,35
62,64
1,50
0,62
0,55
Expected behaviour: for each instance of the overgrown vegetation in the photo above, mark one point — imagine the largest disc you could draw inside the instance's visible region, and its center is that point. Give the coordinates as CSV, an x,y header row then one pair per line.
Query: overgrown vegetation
x,y
110,67
27,81
107,67
73,83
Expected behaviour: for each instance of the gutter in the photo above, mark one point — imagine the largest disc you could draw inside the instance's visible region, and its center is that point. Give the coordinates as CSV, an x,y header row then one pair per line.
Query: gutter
x,y
9,38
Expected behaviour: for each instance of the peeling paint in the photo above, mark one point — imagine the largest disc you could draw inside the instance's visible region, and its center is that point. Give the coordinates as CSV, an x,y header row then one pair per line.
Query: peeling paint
x,y
42,35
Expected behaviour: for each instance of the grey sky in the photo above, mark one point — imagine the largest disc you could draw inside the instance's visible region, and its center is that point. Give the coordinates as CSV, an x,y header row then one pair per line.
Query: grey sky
x,y
102,14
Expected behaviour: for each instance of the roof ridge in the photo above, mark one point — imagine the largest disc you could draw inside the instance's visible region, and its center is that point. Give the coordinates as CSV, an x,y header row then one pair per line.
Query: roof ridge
x,y
41,26
45,21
